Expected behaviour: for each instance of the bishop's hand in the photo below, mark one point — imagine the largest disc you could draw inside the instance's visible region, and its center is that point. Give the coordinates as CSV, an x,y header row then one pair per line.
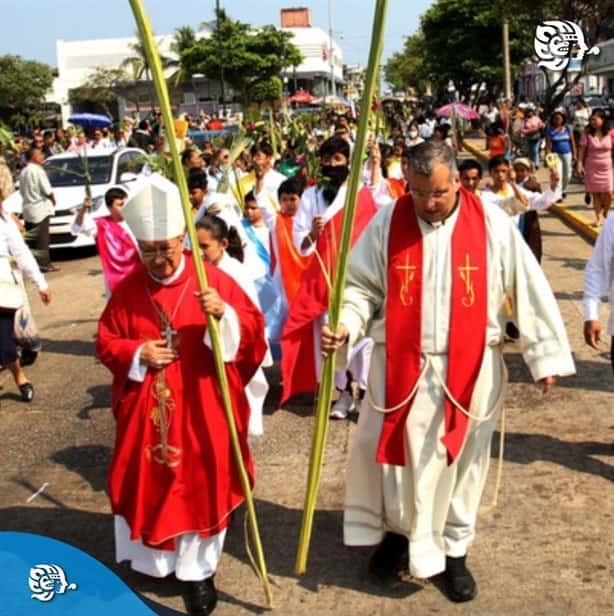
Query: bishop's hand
x,y
155,354
211,303
331,341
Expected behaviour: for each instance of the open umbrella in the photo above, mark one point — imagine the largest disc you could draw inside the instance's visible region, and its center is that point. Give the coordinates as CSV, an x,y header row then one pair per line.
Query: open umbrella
x,y
90,120
460,111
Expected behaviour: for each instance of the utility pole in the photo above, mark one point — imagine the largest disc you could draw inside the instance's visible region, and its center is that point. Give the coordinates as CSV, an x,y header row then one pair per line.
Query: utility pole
x,y
507,73
219,52
331,49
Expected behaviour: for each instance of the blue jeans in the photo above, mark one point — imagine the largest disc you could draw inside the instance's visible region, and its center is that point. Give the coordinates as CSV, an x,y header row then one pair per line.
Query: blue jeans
x,y
533,147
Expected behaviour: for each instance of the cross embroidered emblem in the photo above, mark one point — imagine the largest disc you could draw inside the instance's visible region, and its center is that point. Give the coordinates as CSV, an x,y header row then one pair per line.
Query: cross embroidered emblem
x,y
465,273
410,274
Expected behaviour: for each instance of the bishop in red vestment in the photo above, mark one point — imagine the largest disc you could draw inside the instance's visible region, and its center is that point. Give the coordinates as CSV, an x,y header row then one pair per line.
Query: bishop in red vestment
x,y
173,482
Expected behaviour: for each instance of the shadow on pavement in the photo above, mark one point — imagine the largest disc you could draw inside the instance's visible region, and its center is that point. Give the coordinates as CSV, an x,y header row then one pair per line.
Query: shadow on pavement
x,y
81,348
578,264
330,562
529,448
590,375
89,461
101,400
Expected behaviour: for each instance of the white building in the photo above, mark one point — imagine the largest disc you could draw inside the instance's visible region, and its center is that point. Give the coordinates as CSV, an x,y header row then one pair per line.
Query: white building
x,y
77,60
602,68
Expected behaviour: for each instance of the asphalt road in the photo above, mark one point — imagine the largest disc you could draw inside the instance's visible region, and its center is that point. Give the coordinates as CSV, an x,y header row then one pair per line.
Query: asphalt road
x,y
547,548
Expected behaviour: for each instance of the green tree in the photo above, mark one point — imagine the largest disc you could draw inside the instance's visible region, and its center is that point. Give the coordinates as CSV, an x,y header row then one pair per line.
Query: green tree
x,y
249,57
462,42
184,38
139,68
100,88
23,85
406,69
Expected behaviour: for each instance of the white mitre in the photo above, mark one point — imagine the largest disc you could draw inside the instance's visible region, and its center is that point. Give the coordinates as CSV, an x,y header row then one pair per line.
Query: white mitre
x,y
153,209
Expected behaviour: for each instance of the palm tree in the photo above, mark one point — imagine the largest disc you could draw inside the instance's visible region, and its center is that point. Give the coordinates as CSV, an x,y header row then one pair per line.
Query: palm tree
x,y
185,38
139,66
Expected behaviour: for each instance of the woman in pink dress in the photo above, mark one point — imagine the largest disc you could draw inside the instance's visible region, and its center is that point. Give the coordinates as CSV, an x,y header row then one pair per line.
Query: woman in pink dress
x,y
595,163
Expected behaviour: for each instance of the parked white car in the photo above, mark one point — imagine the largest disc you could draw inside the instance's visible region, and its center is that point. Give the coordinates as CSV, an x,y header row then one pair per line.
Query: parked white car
x,y
106,169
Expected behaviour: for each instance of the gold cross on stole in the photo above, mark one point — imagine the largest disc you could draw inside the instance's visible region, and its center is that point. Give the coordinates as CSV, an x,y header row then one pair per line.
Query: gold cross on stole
x,y
465,274
410,274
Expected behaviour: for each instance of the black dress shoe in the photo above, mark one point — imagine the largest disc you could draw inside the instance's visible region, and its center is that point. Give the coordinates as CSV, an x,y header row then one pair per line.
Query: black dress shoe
x,y
200,597
27,392
460,585
391,557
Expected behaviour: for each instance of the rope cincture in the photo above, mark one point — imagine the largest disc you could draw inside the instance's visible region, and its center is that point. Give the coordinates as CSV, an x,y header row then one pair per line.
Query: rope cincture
x,y
427,363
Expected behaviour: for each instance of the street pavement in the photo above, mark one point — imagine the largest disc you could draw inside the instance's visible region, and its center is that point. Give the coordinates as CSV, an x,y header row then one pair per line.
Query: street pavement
x,y
545,549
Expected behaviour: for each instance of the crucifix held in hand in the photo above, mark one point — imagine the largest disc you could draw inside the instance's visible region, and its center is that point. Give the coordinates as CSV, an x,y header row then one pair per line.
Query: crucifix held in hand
x,y
168,333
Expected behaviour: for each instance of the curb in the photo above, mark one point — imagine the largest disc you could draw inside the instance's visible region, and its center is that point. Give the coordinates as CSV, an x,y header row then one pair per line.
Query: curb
x,y
577,222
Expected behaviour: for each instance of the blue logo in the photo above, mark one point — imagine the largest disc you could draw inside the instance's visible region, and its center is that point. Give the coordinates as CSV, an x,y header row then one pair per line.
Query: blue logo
x,y
48,580
43,576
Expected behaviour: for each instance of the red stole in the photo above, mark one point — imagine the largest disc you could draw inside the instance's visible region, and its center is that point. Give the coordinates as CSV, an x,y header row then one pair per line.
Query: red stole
x,y
118,252
468,318
311,301
292,264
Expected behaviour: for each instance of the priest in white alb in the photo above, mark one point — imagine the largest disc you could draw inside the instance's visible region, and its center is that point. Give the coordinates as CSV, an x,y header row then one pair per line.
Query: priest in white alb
x,y
427,281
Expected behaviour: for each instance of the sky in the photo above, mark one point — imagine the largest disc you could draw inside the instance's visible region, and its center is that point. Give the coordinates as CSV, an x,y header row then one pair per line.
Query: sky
x,y
31,27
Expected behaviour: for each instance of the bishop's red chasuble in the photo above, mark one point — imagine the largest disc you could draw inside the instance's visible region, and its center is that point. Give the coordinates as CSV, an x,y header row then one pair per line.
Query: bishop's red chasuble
x,y
172,470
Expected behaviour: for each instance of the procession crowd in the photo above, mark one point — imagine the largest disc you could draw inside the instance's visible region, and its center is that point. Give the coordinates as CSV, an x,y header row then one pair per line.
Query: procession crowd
x,y
444,271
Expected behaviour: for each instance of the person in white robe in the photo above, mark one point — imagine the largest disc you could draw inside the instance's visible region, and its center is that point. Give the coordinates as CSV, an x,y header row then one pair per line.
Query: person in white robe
x,y
599,282
318,206
220,245
262,159
426,511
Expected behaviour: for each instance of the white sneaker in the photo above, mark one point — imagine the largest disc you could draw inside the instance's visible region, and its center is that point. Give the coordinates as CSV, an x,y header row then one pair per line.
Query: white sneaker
x,y
343,406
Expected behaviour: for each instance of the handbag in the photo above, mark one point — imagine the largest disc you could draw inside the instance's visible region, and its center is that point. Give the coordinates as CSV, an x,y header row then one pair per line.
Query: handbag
x,y
11,296
25,332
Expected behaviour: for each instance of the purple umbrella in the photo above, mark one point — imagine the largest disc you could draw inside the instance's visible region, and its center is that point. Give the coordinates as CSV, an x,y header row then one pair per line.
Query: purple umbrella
x,y
460,111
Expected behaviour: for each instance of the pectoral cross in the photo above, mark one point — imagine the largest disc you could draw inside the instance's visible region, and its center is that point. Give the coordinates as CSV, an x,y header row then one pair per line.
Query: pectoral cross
x,y
168,333
465,274
410,274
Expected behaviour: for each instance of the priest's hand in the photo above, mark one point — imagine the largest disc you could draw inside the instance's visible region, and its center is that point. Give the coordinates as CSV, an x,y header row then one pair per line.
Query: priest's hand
x,y
333,342
155,354
592,334
317,225
45,296
211,303
547,383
